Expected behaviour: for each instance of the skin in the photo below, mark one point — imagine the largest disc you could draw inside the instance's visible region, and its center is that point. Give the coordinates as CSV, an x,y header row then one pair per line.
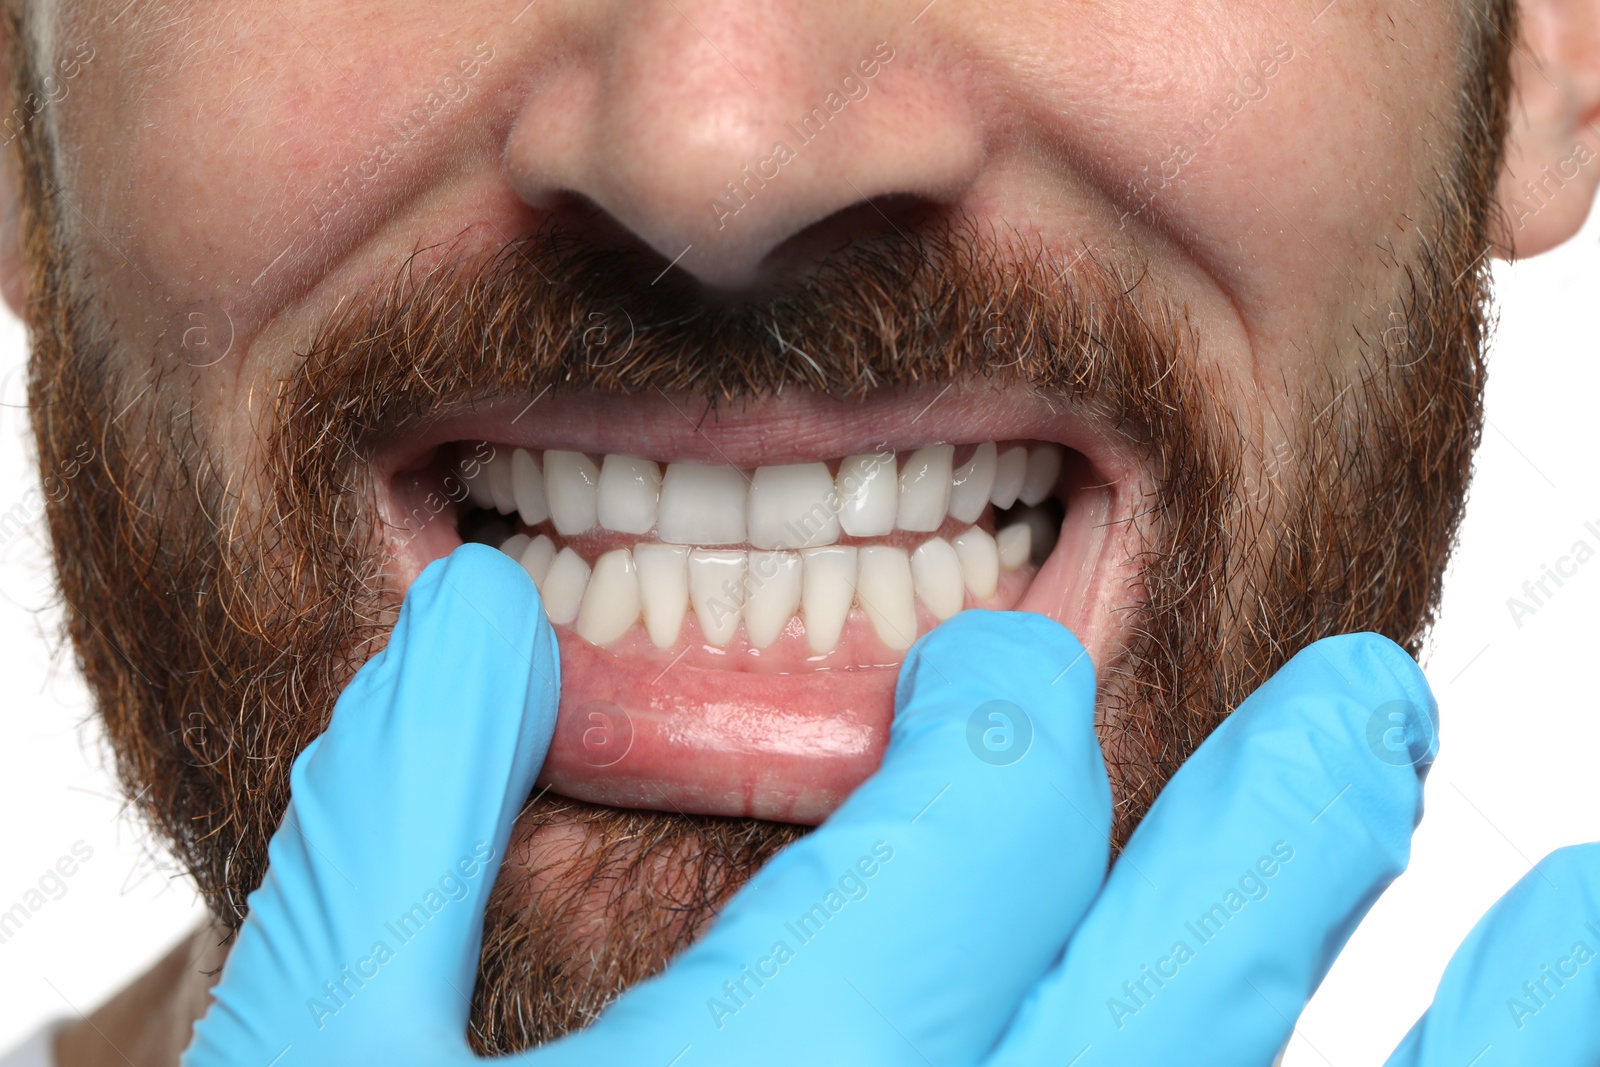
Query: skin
x,y
225,206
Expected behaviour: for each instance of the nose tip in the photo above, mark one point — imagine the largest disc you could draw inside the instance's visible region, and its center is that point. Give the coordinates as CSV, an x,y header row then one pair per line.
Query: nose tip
x,y
716,138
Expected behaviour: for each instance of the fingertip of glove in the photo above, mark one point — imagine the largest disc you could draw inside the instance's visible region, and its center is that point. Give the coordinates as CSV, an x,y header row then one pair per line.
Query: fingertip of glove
x,y
482,575
476,589
1010,650
1388,704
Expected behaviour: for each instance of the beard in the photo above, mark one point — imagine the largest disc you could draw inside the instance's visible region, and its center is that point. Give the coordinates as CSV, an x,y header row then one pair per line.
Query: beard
x,y
216,613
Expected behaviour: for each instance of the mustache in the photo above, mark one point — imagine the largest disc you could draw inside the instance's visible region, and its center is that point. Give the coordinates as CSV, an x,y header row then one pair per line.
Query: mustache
x,y
551,311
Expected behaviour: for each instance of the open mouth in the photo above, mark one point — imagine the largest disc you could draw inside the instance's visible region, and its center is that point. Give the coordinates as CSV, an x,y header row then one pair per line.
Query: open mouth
x,y
734,595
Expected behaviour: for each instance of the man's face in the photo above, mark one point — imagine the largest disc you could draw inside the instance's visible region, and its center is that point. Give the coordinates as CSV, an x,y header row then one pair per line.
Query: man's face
x,y
307,276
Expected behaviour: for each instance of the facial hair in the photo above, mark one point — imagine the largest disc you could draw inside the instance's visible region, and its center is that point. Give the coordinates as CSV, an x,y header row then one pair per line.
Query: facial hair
x,y
216,625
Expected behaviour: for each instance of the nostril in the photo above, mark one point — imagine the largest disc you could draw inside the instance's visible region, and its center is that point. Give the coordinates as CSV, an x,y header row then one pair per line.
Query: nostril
x,y
891,215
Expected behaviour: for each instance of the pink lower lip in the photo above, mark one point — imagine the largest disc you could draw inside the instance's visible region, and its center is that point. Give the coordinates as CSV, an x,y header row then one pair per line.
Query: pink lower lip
x,y
778,733
781,741
789,747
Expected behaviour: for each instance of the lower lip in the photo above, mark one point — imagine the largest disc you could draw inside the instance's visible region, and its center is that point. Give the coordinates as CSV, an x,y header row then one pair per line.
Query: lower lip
x,y
788,747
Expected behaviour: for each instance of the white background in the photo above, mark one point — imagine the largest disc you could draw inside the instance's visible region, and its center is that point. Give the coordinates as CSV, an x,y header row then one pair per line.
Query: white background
x,y
1516,778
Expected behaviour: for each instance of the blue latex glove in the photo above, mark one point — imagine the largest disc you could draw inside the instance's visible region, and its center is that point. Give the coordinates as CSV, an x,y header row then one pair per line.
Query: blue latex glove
x,y
1524,988
970,918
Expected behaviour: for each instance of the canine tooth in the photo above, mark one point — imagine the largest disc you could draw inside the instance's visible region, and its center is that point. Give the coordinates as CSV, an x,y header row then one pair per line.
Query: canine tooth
x,y
936,574
570,481
716,591
884,591
971,485
563,586
829,586
774,581
497,476
925,488
1044,468
664,588
1015,545
536,558
702,505
611,603
630,489
527,488
868,494
513,545
980,561
790,507
1011,468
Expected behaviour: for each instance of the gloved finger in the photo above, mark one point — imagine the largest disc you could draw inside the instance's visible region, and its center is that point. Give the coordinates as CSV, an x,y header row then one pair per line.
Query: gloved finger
x,y
907,926
1248,875
401,811
1524,987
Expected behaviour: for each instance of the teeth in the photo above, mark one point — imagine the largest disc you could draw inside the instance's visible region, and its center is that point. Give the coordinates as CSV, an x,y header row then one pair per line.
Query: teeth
x,y
611,603
716,590
1044,528
702,505
570,481
478,486
868,494
980,562
1015,545
774,595
1044,468
563,586
936,574
790,507
630,489
1011,469
513,545
829,587
664,587
536,558
925,488
527,488
497,478
971,485
884,590
792,516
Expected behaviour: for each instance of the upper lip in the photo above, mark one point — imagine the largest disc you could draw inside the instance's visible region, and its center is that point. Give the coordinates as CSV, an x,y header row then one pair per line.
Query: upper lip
x,y
1088,582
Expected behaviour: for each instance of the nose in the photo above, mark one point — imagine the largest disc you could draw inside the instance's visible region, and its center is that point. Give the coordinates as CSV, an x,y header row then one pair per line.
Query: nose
x,y
717,132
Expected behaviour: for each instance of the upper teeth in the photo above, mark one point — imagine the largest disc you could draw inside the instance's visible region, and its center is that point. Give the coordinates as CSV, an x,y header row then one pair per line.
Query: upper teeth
x,y
791,517
793,506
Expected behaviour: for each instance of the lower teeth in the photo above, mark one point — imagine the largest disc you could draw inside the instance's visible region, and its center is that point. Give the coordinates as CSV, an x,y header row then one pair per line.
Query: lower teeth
x,y
764,592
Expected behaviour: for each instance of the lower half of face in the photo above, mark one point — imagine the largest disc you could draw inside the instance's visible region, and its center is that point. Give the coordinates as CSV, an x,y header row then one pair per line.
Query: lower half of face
x,y
740,518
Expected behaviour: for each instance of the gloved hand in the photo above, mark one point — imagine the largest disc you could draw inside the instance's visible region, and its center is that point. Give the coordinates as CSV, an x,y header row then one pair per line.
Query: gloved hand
x,y
968,915
1524,987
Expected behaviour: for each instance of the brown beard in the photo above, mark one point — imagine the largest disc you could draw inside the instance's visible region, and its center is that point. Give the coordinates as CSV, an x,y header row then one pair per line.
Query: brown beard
x,y
216,626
